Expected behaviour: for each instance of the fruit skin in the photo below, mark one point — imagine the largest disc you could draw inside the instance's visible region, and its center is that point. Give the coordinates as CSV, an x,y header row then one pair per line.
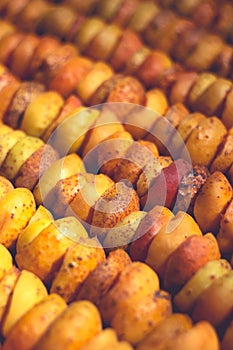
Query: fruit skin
x,y
127,46
164,188
227,338
28,291
114,204
135,320
224,235
165,330
35,166
101,279
209,197
201,336
135,282
31,326
24,95
147,230
82,205
121,235
17,207
168,238
69,75
188,258
78,323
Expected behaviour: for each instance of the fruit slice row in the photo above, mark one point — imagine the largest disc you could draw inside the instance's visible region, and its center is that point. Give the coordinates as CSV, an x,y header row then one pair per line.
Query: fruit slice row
x,y
202,92
181,38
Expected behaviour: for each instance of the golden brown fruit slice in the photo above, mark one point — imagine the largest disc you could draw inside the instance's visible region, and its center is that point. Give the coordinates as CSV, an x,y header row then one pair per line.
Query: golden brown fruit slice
x,y
32,325
78,262
135,282
188,258
45,251
17,208
204,141
113,205
168,238
215,195
165,330
100,280
201,336
73,328
134,320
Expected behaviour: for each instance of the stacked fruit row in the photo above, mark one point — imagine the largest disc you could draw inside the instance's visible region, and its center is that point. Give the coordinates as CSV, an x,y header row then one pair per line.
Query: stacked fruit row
x,y
161,29
51,63
74,267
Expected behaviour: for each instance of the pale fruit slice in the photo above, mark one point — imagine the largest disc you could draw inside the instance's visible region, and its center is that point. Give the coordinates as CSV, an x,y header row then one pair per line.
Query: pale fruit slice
x,y
41,213
62,168
201,280
69,135
122,233
215,303
28,291
8,141
7,284
18,154
6,262
45,252
41,112
41,219
30,232
32,325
